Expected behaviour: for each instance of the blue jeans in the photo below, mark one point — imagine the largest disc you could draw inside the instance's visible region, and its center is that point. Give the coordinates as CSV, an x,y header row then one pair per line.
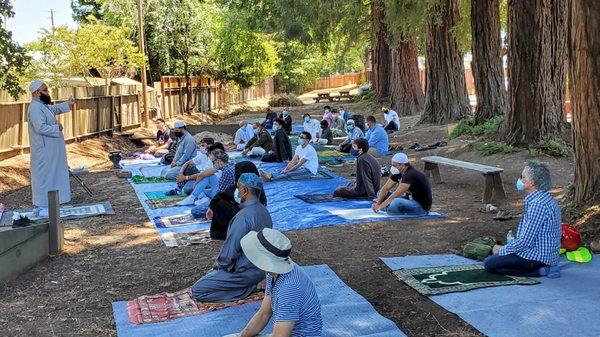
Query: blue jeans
x,y
405,206
202,186
512,264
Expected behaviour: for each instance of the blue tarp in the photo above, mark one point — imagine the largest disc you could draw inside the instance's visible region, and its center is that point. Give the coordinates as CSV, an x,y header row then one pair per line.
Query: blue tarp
x,y
566,306
345,313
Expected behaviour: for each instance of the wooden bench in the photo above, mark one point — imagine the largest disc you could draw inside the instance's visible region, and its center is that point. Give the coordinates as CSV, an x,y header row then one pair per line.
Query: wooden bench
x,y
493,182
345,94
323,96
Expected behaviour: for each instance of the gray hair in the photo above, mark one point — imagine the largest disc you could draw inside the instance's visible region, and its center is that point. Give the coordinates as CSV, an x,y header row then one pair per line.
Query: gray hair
x,y
540,174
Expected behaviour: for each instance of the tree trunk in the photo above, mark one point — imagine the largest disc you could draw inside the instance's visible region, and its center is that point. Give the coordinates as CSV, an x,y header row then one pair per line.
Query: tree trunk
x,y
536,63
381,51
585,91
487,63
446,97
405,89
188,85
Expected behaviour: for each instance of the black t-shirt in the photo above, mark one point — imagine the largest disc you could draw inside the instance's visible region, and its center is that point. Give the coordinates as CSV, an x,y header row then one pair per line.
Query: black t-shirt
x,y
419,189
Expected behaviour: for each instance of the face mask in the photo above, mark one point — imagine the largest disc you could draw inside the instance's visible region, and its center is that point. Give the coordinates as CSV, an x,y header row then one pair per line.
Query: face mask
x,y
46,99
520,185
256,132
350,128
236,197
284,112
276,127
394,170
203,150
326,110
300,141
354,152
306,119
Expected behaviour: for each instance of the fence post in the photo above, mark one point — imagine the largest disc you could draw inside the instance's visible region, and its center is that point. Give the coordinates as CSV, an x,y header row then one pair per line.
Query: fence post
x,y
22,128
55,229
98,116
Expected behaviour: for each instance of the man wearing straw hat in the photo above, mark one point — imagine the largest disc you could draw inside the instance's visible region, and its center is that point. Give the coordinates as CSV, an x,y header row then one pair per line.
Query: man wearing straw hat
x,y
234,277
290,296
49,169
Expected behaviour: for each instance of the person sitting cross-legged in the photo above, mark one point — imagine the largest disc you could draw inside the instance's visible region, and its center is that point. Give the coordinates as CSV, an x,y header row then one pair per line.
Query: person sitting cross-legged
x,y
234,277
287,119
196,168
291,299
413,194
392,121
304,164
282,148
354,133
368,174
311,126
534,251
377,138
186,150
260,144
326,136
338,124
243,135
162,139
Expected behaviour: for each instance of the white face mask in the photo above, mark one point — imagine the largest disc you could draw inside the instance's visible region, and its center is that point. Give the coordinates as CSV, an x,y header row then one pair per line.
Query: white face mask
x,y
394,170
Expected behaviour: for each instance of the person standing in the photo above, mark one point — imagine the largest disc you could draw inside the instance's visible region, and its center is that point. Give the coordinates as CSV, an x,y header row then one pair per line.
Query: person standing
x,y
49,169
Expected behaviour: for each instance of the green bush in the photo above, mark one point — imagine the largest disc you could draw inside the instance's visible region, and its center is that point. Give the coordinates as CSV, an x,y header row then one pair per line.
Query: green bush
x,y
490,126
366,95
490,147
462,128
554,147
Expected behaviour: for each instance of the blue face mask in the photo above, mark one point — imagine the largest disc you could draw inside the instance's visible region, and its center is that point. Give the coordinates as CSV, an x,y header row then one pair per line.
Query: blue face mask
x,y
350,128
276,127
354,152
306,119
300,141
520,185
236,197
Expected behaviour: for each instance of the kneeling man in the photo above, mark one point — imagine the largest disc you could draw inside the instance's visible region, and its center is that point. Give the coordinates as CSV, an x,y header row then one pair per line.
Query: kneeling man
x,y
534,252
234,277
368,174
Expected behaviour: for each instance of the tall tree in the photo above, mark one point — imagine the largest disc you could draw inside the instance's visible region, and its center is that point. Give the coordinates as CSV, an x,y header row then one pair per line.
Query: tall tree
x,y
83,9
406,95
537,33
381,53
13,58
487,62
585,89
446,97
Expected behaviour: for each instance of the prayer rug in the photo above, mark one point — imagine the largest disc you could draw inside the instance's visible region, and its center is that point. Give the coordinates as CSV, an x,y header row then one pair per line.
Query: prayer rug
x,y
173,239
318,198
171,201
72,212
158,195
449,279
177,220
137,179
168,306
320,175
368,213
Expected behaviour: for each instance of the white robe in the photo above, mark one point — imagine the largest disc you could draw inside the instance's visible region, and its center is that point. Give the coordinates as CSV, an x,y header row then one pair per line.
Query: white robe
x,y
49,170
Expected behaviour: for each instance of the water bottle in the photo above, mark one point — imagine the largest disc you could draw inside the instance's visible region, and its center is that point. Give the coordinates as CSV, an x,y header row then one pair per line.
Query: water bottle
x,y
510,237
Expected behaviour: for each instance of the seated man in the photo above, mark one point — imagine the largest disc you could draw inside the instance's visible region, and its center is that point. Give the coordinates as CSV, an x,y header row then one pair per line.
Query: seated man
x,y
534,252
311,126
418,199
338,124
392,121
304,164
327,115
162,139
368,174
167,158
269,118
260,144
290,296
326,136
354,133
194,168
282,148
345,114
243,135
216,179
186,150
377,137
287,118
234,277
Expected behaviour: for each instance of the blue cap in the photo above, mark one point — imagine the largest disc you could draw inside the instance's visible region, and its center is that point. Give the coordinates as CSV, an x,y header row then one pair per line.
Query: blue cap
x,y
251,180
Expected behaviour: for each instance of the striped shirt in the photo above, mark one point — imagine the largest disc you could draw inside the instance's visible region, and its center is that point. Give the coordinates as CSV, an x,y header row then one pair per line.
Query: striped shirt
x,y
539,231
294,299
227,177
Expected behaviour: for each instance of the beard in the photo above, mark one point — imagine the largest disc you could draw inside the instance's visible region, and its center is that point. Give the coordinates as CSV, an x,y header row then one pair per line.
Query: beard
x,y
46,99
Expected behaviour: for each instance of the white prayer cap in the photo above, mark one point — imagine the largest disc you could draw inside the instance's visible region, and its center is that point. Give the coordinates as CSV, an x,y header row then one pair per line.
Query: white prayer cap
x,y
35,85
350,121
178,124
400,158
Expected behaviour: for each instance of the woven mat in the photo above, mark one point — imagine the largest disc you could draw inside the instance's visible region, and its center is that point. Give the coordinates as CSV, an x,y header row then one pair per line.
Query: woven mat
x,y
172,239
149,180
168,306
164,203
177,220
449,279
318,198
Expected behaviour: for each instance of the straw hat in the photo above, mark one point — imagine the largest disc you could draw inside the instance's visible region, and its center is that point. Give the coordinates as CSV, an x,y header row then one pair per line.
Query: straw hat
x,y
269,250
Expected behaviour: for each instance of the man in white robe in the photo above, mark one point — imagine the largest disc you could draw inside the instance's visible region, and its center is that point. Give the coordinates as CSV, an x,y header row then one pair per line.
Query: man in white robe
x,y
49,170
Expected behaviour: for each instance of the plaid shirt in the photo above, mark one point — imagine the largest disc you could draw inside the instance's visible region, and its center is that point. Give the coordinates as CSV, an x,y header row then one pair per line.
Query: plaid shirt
x,y
539,231
227,177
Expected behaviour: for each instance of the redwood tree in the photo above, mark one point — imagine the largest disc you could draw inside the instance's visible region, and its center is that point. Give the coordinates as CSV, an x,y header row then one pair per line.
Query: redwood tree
x,y
537,63
381,57
585,89
487,63
406,95
446,97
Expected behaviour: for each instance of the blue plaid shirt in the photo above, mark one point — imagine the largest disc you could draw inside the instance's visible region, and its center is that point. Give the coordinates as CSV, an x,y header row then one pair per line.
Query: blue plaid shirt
x,y
539,231
227,177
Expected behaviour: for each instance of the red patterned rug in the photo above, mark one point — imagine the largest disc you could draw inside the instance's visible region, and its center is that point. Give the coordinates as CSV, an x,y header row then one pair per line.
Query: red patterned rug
x,y
169,306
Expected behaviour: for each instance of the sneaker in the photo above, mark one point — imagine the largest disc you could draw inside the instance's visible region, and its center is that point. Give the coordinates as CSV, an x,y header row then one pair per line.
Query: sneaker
x,y
173,192
189,201
202,201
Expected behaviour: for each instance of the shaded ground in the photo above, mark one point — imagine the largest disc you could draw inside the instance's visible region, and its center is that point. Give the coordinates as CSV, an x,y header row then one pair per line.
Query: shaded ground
x,y
120,257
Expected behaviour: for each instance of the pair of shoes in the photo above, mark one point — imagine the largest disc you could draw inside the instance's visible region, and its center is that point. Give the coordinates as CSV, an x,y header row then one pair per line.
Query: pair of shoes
x,y
503,216
385,171
173,192
550,271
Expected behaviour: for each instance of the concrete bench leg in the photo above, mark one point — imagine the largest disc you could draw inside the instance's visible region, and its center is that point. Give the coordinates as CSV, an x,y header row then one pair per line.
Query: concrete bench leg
x,y
499,192
488,188
432,170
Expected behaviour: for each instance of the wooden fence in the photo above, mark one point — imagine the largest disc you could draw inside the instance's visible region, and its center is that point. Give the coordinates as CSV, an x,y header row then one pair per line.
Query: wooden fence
x,y
99,110
340,80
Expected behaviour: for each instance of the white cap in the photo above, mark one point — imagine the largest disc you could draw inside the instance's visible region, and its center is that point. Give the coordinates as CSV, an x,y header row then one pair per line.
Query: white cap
x,y
178,124
400,158
35,85
350,121
268,250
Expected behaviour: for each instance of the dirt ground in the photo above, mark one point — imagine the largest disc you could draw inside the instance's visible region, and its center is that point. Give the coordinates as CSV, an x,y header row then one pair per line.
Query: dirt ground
x,y
120,257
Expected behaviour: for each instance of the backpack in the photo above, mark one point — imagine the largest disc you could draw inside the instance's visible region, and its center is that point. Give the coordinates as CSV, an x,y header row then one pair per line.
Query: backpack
x,y
479,248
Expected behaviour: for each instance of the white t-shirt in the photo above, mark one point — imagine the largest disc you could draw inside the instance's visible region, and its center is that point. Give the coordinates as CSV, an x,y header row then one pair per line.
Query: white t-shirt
x,y
313,127
391,116
202,161
310,154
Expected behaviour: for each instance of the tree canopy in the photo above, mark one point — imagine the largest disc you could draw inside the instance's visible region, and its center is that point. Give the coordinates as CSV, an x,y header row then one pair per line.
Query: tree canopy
x,y
13,58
